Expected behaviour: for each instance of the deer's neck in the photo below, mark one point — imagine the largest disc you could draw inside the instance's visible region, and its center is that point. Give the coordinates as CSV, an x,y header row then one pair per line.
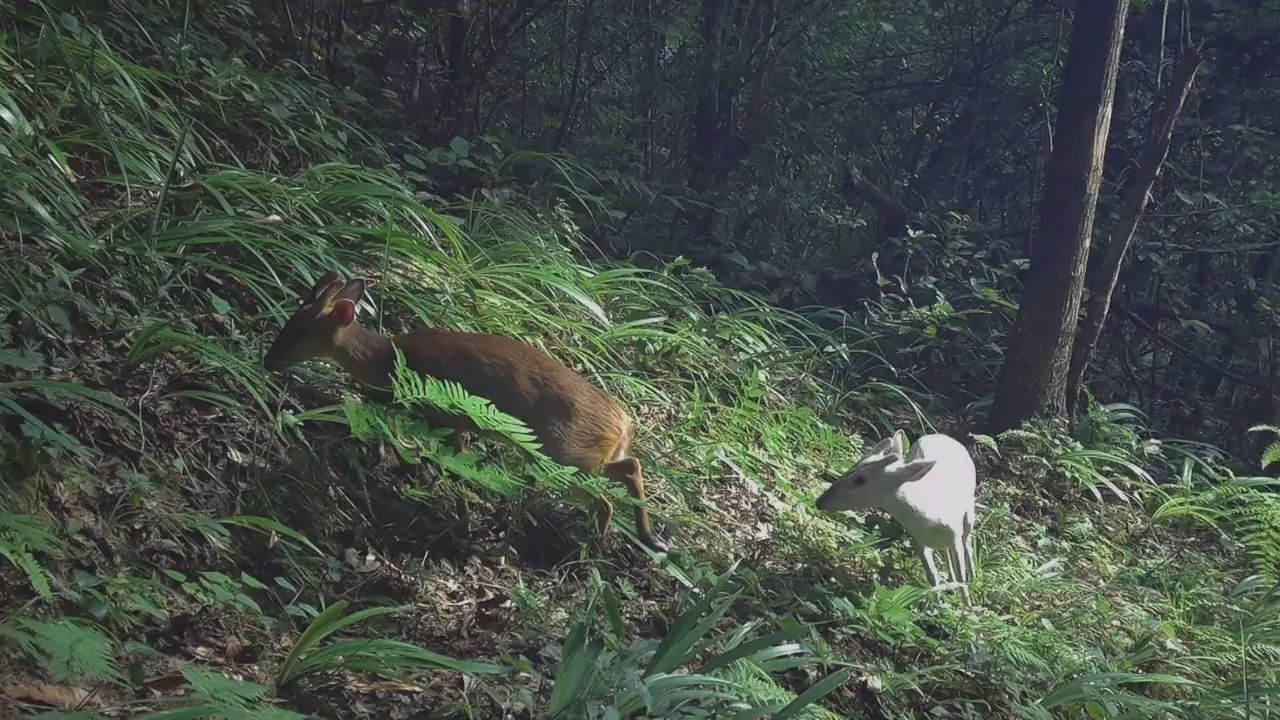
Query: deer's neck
x,y
368,356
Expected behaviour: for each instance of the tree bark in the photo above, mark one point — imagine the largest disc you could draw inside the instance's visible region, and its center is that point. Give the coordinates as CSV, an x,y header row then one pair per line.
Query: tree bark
x,y
1033,379
1131,208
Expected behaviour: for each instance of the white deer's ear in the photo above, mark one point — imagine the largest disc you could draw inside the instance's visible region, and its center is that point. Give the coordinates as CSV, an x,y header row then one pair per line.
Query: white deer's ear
x,y
912,471
899,441
879,450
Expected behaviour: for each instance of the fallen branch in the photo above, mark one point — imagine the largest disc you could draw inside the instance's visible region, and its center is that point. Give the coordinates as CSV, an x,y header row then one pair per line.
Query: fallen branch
x,y
1195,356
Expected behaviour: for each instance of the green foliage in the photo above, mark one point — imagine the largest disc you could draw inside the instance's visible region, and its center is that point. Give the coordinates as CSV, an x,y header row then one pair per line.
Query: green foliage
x,y
21,536
67,650
414,390
218,697
215,589
888,614
375,656
1110,425
1104,695
122,601
1115,467
415,441
1246,509
1272,453
691,672
53,439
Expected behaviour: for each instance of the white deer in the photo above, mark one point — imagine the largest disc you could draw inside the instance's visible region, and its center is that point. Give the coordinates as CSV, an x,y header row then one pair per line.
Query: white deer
x,y
931,493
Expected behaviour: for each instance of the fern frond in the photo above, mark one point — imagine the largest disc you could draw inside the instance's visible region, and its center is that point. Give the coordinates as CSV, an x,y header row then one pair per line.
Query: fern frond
x,y
28,533
1271,454
35,572
21,536
218,696
66,649
1246,508
415,441
412,389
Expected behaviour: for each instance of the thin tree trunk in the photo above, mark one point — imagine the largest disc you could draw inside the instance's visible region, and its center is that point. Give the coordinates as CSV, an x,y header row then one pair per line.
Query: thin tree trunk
x,y
648,94
1131,208
575,78
1033,379
705,126
458,61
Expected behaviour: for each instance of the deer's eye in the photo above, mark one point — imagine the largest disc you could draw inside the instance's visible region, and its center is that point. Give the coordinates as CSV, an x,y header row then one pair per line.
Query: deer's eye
x,y
859,480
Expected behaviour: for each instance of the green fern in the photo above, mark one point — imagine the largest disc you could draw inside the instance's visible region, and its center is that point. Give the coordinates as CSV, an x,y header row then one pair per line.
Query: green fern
x,y
414,439
219,689
67,650
415,390
35,572
1272,453
219,697
20,537
1248,509
1257,524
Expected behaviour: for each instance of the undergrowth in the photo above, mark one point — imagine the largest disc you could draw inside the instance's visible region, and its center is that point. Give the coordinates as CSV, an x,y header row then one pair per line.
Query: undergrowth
x,y
183,534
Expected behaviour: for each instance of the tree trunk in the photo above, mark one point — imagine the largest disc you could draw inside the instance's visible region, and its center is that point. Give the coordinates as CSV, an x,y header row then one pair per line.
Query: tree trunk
x,y
648,95
1033,379
705,130
452,102
572,98
1131,207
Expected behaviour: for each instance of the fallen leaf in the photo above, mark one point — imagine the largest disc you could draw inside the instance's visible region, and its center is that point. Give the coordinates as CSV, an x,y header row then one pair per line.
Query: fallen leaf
x,y
369,563
232,647
59,696
201,652
237,652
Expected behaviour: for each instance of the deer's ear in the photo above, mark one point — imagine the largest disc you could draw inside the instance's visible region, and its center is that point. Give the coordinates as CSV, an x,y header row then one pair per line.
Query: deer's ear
x,y
353,290
913,471
343,312
880,448
322,285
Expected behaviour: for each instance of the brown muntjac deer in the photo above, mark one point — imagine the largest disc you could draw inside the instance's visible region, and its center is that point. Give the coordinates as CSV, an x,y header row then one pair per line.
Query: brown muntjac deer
x,y
576,422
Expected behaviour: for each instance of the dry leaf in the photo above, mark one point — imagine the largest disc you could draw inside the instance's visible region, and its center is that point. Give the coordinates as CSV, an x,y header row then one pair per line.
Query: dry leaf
x,y
236,456
59,696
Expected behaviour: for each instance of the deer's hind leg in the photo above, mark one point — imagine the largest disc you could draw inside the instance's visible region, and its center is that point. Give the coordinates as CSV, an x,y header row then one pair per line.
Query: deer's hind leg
x,y
627,471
